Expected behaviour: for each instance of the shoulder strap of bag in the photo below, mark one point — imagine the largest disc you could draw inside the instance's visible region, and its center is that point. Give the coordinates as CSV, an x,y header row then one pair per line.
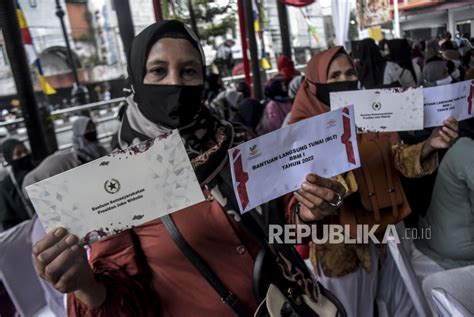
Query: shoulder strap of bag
x,y
256,224
226,296
370,185
391,185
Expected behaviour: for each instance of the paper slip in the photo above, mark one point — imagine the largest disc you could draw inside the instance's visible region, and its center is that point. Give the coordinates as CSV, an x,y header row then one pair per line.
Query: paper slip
x,y
277,163
454,100
383,110
119,191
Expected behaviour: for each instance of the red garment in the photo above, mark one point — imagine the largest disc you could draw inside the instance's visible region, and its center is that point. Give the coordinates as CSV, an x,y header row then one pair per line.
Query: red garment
x,y
297,3
303,250
238,70
274,115
287,68
144,271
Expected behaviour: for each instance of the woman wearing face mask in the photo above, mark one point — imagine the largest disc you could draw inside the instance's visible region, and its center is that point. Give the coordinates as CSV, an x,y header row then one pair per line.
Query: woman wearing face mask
x,y
141,272
85,148
13,209
351,270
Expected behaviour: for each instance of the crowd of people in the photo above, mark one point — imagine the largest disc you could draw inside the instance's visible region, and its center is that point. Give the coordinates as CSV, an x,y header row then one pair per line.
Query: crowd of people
x,y
142,272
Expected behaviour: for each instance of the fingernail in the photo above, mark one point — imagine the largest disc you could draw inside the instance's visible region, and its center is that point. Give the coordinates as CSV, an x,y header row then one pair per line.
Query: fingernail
x,y
70,239
304,186
311,178
60,232
35,250
41,257
75,247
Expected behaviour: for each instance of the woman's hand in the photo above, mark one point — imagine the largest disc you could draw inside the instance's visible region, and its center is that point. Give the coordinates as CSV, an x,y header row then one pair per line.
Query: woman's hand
x,y
442,137
319,197
60,261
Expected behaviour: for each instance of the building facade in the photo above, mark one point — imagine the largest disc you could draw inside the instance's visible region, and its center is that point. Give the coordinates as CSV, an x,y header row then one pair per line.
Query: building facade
x,y
425,19
94,36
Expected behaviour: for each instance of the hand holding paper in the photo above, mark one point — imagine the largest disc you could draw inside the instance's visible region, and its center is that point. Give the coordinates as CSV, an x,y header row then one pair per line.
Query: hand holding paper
x,y
277,163
455,100
319,197
119,191
60,261
442,137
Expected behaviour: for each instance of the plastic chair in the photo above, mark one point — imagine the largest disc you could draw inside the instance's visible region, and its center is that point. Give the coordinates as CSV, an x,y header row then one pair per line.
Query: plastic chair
x,y
454,289
400,253
447,306
17,271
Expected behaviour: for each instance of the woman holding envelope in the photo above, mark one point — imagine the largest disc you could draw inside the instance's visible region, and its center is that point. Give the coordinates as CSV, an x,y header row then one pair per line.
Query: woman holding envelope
x,y
142,271
373,194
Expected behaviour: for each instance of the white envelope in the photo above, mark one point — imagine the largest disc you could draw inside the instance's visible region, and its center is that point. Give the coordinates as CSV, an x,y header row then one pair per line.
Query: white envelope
x,y
277,163
454,100
119,191
383,110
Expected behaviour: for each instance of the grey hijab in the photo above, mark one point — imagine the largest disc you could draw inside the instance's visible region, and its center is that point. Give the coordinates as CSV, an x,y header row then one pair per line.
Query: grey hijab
x,y
86,150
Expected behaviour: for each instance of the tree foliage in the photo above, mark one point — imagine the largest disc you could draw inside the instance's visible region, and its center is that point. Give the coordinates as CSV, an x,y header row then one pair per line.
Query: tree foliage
x,y
212,19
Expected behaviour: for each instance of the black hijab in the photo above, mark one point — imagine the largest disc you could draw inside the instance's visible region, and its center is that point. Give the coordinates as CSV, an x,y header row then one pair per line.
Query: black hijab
x,y
7,149
12,208
276,90
372,64
400,53
382,44
249,113
143,42
172,106
20,167
206,138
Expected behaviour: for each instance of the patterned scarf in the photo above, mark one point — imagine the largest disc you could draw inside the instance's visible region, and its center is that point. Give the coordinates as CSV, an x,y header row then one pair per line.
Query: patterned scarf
x,y
206,140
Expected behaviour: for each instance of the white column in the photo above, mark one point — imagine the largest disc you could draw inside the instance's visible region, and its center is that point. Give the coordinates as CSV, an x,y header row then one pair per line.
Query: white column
x,y
341,10
396,20
451,23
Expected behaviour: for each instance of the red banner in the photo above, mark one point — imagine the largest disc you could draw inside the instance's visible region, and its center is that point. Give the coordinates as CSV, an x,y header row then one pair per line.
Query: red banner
x,y
297,3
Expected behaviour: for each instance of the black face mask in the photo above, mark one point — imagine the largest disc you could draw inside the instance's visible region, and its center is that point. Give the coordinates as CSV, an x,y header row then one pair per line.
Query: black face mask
x,y
172,106
323,90
91,136
23,164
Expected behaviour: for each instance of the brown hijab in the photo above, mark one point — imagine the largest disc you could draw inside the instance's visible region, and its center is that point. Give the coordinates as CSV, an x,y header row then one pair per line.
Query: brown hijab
x,y
306,104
